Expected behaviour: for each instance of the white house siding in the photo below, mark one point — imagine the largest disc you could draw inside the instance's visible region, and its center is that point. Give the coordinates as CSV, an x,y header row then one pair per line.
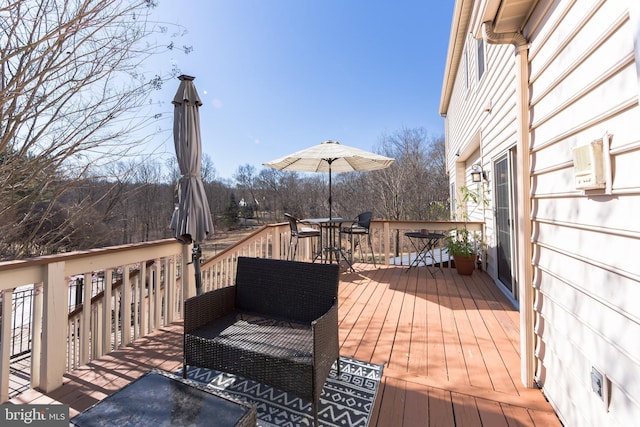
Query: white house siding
x,y
583,86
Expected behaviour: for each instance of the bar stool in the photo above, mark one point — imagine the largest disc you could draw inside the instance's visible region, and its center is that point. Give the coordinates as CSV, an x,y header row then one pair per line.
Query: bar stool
x,y
360,227
298,233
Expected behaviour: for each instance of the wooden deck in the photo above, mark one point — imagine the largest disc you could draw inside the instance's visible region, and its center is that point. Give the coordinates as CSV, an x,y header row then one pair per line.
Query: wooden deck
x,y
449,345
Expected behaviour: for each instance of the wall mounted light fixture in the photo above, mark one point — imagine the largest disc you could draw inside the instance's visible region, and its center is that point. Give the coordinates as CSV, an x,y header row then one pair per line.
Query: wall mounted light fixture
x,y
477,174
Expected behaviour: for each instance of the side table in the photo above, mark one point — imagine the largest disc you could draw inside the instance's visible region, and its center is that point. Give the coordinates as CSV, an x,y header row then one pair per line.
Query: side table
x,y
424,245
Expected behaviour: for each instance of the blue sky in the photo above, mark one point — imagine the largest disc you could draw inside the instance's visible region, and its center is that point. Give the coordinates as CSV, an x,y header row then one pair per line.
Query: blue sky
x,y
277,76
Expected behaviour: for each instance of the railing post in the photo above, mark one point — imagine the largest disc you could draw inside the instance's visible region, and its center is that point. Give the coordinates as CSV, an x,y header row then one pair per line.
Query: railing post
x,y
54,327
187,276
386,238
277,244
5,339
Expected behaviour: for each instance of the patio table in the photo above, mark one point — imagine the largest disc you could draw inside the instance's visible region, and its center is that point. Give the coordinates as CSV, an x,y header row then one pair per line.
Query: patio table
x,y
328,227
159,398
424,244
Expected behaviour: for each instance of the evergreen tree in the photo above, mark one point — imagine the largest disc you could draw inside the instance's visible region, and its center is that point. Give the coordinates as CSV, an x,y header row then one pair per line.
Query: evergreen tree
x,y
230,217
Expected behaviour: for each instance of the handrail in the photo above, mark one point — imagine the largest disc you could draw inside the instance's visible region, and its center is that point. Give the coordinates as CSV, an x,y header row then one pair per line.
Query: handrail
x,y
73,258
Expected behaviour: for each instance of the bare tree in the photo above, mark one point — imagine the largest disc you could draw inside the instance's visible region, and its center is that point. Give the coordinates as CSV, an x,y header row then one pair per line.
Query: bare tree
x,y
437,180
410,188
416,181
268,183
218,195
208,170
71,99
245,176
151,206
353,193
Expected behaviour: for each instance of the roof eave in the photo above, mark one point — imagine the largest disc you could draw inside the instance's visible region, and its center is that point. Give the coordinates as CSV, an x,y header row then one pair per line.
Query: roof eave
x,y
468,16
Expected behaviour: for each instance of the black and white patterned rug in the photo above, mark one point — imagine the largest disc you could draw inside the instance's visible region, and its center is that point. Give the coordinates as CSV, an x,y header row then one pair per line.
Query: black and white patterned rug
x,y
345,401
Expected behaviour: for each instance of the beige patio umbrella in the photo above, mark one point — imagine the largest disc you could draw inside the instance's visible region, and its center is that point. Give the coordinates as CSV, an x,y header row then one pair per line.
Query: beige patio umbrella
x,y
191,218
331,156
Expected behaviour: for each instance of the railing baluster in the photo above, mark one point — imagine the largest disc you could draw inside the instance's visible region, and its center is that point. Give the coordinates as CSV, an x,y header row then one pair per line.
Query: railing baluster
x,y
96,329
117,307
136,302
163,287
170,289
157,306
144,286
70,338
125,323
107,311
85,323
5,339
36,330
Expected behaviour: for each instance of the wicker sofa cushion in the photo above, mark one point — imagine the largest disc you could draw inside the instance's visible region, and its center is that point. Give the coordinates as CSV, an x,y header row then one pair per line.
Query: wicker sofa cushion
x,y
279,338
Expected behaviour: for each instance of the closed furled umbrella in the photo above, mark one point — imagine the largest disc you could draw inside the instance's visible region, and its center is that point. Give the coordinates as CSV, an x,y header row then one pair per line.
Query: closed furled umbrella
x,y
191,218
331,156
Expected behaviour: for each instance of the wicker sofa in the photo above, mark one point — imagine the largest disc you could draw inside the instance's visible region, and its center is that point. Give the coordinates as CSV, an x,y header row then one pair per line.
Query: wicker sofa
x,y
277,325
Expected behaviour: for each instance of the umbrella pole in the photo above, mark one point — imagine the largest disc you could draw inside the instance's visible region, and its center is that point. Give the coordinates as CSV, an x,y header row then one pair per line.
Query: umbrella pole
x,y
330,213
332,236
196,252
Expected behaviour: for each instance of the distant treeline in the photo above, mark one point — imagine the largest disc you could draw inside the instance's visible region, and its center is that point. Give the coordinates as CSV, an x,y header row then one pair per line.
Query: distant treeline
x,y
133,202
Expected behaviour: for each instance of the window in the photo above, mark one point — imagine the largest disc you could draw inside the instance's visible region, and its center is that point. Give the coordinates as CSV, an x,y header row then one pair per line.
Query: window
x,y
466,70
481,57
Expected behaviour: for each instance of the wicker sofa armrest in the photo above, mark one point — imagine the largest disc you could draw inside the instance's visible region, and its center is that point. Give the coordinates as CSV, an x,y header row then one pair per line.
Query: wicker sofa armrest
x,y
324,329
202,309
326,346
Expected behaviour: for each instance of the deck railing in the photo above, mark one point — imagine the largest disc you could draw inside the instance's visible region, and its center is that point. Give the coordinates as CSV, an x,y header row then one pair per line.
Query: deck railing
x,y
390,247
129,291
141,291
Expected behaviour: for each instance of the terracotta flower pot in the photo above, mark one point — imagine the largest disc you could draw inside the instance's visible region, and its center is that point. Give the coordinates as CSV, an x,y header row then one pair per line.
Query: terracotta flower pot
x,y
464,264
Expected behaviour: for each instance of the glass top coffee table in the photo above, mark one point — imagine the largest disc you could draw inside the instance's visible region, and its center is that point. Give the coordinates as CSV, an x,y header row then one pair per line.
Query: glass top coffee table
x,y
159,399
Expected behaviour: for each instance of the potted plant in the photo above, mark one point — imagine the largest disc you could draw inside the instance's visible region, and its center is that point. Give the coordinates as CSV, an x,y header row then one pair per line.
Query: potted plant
x,y
462,244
